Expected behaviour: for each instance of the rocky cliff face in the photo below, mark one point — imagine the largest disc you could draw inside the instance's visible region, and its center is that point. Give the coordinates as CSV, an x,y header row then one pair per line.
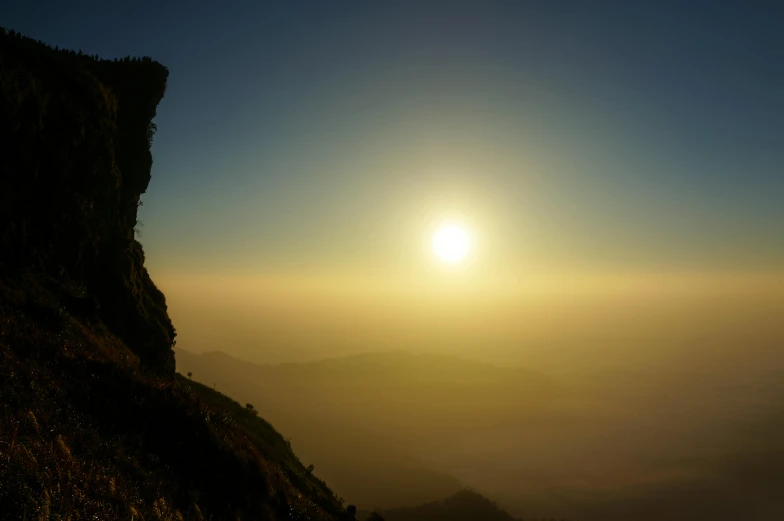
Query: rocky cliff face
x,y
75,135
93,422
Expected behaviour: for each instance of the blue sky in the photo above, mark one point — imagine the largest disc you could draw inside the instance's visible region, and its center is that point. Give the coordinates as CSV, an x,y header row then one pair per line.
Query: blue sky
x,y
300,136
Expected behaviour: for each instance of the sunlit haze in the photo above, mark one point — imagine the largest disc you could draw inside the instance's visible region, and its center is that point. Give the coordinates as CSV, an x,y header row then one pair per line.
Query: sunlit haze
x,y
406,212
451,243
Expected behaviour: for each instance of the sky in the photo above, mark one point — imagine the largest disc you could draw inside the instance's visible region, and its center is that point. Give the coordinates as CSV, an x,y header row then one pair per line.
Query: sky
x,y
618,166
306,150
329,136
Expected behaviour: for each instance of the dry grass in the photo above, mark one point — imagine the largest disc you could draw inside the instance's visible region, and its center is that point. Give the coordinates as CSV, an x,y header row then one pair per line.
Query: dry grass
x,y
87,435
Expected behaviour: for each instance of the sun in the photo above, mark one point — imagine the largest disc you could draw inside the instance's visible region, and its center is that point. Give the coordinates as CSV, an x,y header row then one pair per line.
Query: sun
x,y
451,243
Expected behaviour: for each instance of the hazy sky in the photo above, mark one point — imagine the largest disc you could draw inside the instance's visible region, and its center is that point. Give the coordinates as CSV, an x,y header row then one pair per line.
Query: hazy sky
x,y
331,136
619,166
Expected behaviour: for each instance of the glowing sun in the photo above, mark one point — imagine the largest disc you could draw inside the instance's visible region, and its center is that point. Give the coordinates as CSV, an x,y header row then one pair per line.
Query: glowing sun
x,y
451,243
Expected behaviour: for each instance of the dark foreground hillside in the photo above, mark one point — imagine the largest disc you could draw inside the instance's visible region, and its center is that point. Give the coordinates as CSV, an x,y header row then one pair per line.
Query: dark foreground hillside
x,y
351,416
93,424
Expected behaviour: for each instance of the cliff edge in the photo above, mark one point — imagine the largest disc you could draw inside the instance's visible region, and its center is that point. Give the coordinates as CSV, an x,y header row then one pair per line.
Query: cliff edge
x,y
93,422
75,159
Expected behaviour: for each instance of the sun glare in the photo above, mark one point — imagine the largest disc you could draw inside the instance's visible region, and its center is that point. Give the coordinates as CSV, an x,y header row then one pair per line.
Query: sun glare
x,y
451,243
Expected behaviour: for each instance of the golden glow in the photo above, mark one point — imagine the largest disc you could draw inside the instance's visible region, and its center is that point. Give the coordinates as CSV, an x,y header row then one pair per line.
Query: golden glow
x,y
451,243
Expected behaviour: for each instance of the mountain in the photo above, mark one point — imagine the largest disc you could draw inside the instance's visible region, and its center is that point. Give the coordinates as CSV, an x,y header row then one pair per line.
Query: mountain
x,y
612,449
465,505
434,389
93,423
355,415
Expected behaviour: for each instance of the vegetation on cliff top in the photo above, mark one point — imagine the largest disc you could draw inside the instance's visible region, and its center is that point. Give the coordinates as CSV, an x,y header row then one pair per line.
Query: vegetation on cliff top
x,y
76,159
93,424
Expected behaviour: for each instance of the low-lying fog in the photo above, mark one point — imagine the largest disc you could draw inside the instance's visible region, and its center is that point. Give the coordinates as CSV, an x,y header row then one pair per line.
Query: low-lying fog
x,y
665,401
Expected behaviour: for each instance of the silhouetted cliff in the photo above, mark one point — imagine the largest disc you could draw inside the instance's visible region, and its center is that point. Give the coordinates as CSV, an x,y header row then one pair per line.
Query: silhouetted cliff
x,y
75,159
93,424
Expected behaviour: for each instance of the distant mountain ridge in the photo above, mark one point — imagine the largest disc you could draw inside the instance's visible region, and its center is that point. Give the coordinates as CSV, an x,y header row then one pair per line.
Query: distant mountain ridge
x,y
439,390
345,414
93,422
388,365
465,505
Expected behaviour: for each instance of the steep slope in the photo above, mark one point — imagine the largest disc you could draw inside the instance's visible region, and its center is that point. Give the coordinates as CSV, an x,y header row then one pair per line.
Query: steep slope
x,y
93,424
76,158
354,415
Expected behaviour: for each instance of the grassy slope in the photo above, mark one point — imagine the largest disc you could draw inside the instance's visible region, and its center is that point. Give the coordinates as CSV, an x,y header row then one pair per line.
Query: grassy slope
x,y
260,432
85,435
93,423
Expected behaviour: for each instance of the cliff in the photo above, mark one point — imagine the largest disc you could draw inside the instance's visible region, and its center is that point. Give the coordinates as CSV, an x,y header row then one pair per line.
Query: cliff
x,y
76,133
93,424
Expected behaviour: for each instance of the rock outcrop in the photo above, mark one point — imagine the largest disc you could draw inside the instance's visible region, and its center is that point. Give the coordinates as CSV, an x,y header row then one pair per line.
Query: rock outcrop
x,y
75,134
94,422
